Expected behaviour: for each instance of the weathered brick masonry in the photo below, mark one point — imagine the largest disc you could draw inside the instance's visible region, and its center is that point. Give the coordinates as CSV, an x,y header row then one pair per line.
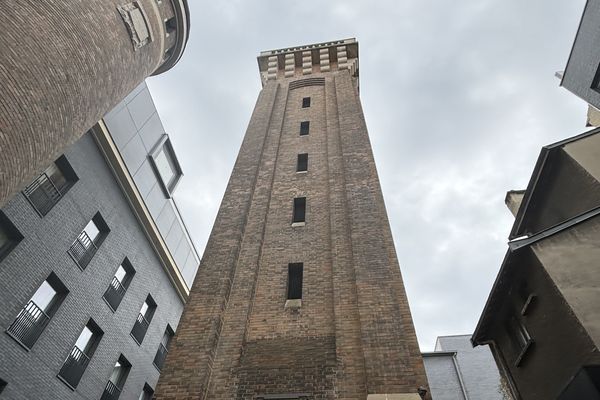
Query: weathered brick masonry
x,y
66,63
353,335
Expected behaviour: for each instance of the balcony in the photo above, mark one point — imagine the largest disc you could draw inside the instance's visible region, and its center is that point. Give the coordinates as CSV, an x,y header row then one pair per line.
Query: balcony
x,y
139,329
111,392
82,250
114,294
43,194
161,355
74,366
29,325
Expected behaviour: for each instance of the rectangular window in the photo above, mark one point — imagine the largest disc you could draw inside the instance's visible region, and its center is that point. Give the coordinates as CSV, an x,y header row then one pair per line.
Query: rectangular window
x,y
119,284
147,392
117,379
163,348
81,354
88,241
165,165
302,165
9,236
519,337
138,332
299,214
294,289
47,189
33,318
306,102
304,127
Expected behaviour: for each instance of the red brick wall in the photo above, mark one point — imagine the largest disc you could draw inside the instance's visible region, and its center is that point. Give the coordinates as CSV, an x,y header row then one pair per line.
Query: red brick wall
x,y
353,334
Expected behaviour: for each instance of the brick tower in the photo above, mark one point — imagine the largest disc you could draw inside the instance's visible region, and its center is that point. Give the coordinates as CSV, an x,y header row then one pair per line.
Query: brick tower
x,y
65,63
299,294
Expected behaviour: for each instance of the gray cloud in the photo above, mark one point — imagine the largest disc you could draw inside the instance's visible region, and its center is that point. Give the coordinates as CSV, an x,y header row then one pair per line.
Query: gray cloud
x,y
458,96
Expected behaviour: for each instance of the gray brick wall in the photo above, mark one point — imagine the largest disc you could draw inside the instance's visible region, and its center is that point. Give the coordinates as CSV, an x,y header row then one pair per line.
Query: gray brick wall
x,y
32,374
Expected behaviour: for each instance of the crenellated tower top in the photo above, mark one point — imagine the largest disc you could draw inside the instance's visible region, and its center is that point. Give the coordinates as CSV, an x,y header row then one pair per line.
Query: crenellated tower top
x,y
309,59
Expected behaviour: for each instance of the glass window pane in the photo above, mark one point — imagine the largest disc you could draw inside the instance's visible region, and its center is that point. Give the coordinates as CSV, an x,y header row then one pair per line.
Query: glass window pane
x,y
115,377
164,167
84,339
144,309
43,296
92,230
120,274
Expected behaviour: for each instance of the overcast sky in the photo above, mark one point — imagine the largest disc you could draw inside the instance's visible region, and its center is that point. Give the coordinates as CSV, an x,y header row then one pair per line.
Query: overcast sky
x,y
459,96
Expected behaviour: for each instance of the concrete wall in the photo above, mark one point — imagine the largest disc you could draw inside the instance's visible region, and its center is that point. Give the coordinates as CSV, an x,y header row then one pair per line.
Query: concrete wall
x,y
31,375
136,128
560,344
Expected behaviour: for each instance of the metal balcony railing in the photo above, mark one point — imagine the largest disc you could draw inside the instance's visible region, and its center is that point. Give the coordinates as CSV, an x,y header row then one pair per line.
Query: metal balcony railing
x,y
111,392
29,324
83,249
74,366
114,294
161,355
43,193
139,329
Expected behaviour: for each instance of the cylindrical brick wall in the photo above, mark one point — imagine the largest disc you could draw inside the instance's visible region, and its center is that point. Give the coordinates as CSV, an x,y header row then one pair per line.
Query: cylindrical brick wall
x,y
64,64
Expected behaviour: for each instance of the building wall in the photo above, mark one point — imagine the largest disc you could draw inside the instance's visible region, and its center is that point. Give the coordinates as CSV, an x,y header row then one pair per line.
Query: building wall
x,y
560,344
64,65
571,260
32,374
136,128
585,56
353,334
443,376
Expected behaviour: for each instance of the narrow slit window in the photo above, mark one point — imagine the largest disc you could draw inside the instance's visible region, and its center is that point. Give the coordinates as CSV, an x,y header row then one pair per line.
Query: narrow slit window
x,y
299,210
294,289
304,127
306,102
302,165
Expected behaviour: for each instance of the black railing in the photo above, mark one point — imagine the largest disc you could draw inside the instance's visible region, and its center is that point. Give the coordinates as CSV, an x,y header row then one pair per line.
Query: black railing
x,y
111,392
43,194
74,366
83,249
139,329
161,355
114,294
29,324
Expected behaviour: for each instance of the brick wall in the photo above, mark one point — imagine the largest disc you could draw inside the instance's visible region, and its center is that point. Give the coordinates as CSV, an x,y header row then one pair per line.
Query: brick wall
x,y
353,334
63,65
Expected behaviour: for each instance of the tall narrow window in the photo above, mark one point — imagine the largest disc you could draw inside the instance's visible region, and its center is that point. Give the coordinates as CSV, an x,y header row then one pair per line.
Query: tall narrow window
x,y
117,379
143,320
299,210
9,236
81,354
171,25
47,189
163,348
119,284
304,127
33,318
306,102
519,337
294,289
302,165
88,241
147,392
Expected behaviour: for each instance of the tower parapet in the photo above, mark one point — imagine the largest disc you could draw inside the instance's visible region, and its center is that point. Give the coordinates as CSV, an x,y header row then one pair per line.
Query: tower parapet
x,y
293,62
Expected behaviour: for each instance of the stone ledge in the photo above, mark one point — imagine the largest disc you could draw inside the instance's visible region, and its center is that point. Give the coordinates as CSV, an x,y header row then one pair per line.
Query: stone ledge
x,y
397,396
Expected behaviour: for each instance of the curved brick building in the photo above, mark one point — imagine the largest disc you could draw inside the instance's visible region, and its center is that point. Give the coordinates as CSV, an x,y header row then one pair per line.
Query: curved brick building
x,y
299,293
65,63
